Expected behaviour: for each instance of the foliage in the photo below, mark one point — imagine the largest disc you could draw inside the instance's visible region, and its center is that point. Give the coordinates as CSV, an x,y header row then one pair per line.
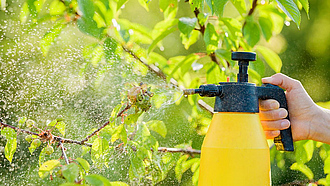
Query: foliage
x,y
251,25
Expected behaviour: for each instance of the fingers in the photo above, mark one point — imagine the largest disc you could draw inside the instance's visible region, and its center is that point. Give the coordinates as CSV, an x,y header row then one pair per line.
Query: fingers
x,y
276,114
272,134
275,125
269,104
272,128
282,81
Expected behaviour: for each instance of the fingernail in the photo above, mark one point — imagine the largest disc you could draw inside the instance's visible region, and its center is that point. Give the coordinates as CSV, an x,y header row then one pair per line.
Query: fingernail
x,y
266,78
282,114
273,105
285,124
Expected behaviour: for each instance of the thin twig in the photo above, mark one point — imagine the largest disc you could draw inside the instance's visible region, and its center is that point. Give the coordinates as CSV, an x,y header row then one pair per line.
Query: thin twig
x,y
63,152
206,106
254,5
177,150
150,67
61,140
18,129
104,125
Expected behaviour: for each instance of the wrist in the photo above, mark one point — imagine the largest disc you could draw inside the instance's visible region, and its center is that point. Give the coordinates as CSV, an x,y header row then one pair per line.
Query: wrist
x,y
320,125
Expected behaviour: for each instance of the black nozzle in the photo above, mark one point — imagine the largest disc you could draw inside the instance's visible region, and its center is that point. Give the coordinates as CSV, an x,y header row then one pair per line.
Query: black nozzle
x,y
205,91
243,59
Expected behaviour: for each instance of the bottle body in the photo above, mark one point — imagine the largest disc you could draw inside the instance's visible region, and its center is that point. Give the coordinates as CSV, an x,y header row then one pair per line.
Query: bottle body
x,y
235,151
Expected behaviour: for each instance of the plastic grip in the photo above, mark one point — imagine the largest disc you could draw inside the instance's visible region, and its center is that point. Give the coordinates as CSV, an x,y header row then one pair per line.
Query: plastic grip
x,y
284,141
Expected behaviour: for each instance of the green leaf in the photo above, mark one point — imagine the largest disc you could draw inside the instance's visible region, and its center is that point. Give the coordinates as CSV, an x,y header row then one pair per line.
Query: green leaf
x,y
24,13
259,69
97,180
3,5
251,31
211,38
109,47
159,38
132,118
186,25
305,4
86,23
70,172
84,164
114,114
56,8
240,5
52,123
87,8
214,74
61,127
21,121
100,148
89,27
142,132
219,6
158,100
178,168
32,148
144,4
85,150
49,38
304,169
290,9
157,126
169,8
187,41
32,8
99,20
184,64
71,184
119,133
11,144
188,164
136,169
195,177
327,165
270,57
304,151
118,183
266,26
48,167
42,156
120,3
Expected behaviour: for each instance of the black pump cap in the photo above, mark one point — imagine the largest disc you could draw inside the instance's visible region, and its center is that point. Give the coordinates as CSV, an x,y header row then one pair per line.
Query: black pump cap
x,y
243,63
243,56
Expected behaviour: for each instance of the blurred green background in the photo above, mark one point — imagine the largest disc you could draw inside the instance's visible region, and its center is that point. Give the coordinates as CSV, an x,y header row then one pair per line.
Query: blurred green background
x,y
42,88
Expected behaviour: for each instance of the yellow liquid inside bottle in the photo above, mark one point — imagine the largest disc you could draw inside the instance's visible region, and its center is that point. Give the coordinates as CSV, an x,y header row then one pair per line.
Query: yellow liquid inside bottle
x,y
235,152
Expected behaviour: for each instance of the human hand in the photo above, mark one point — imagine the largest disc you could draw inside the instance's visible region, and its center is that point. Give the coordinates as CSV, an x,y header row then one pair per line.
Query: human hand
x,y
303,111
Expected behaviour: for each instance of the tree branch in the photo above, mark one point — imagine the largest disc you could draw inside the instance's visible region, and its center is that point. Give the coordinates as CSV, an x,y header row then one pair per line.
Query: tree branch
x,y
63,152
254,5
18,129
176,150
202,31
158,72
150,67
104,125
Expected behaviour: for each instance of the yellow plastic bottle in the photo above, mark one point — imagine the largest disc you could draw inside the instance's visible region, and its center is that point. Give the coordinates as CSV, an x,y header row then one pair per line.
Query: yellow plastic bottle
x,y
235,152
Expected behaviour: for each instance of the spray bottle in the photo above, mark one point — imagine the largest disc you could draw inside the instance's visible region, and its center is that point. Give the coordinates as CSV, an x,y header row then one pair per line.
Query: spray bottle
x,y
235,150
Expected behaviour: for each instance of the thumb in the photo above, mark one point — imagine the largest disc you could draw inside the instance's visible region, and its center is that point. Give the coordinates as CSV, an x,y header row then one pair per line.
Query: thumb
x,y
282,81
